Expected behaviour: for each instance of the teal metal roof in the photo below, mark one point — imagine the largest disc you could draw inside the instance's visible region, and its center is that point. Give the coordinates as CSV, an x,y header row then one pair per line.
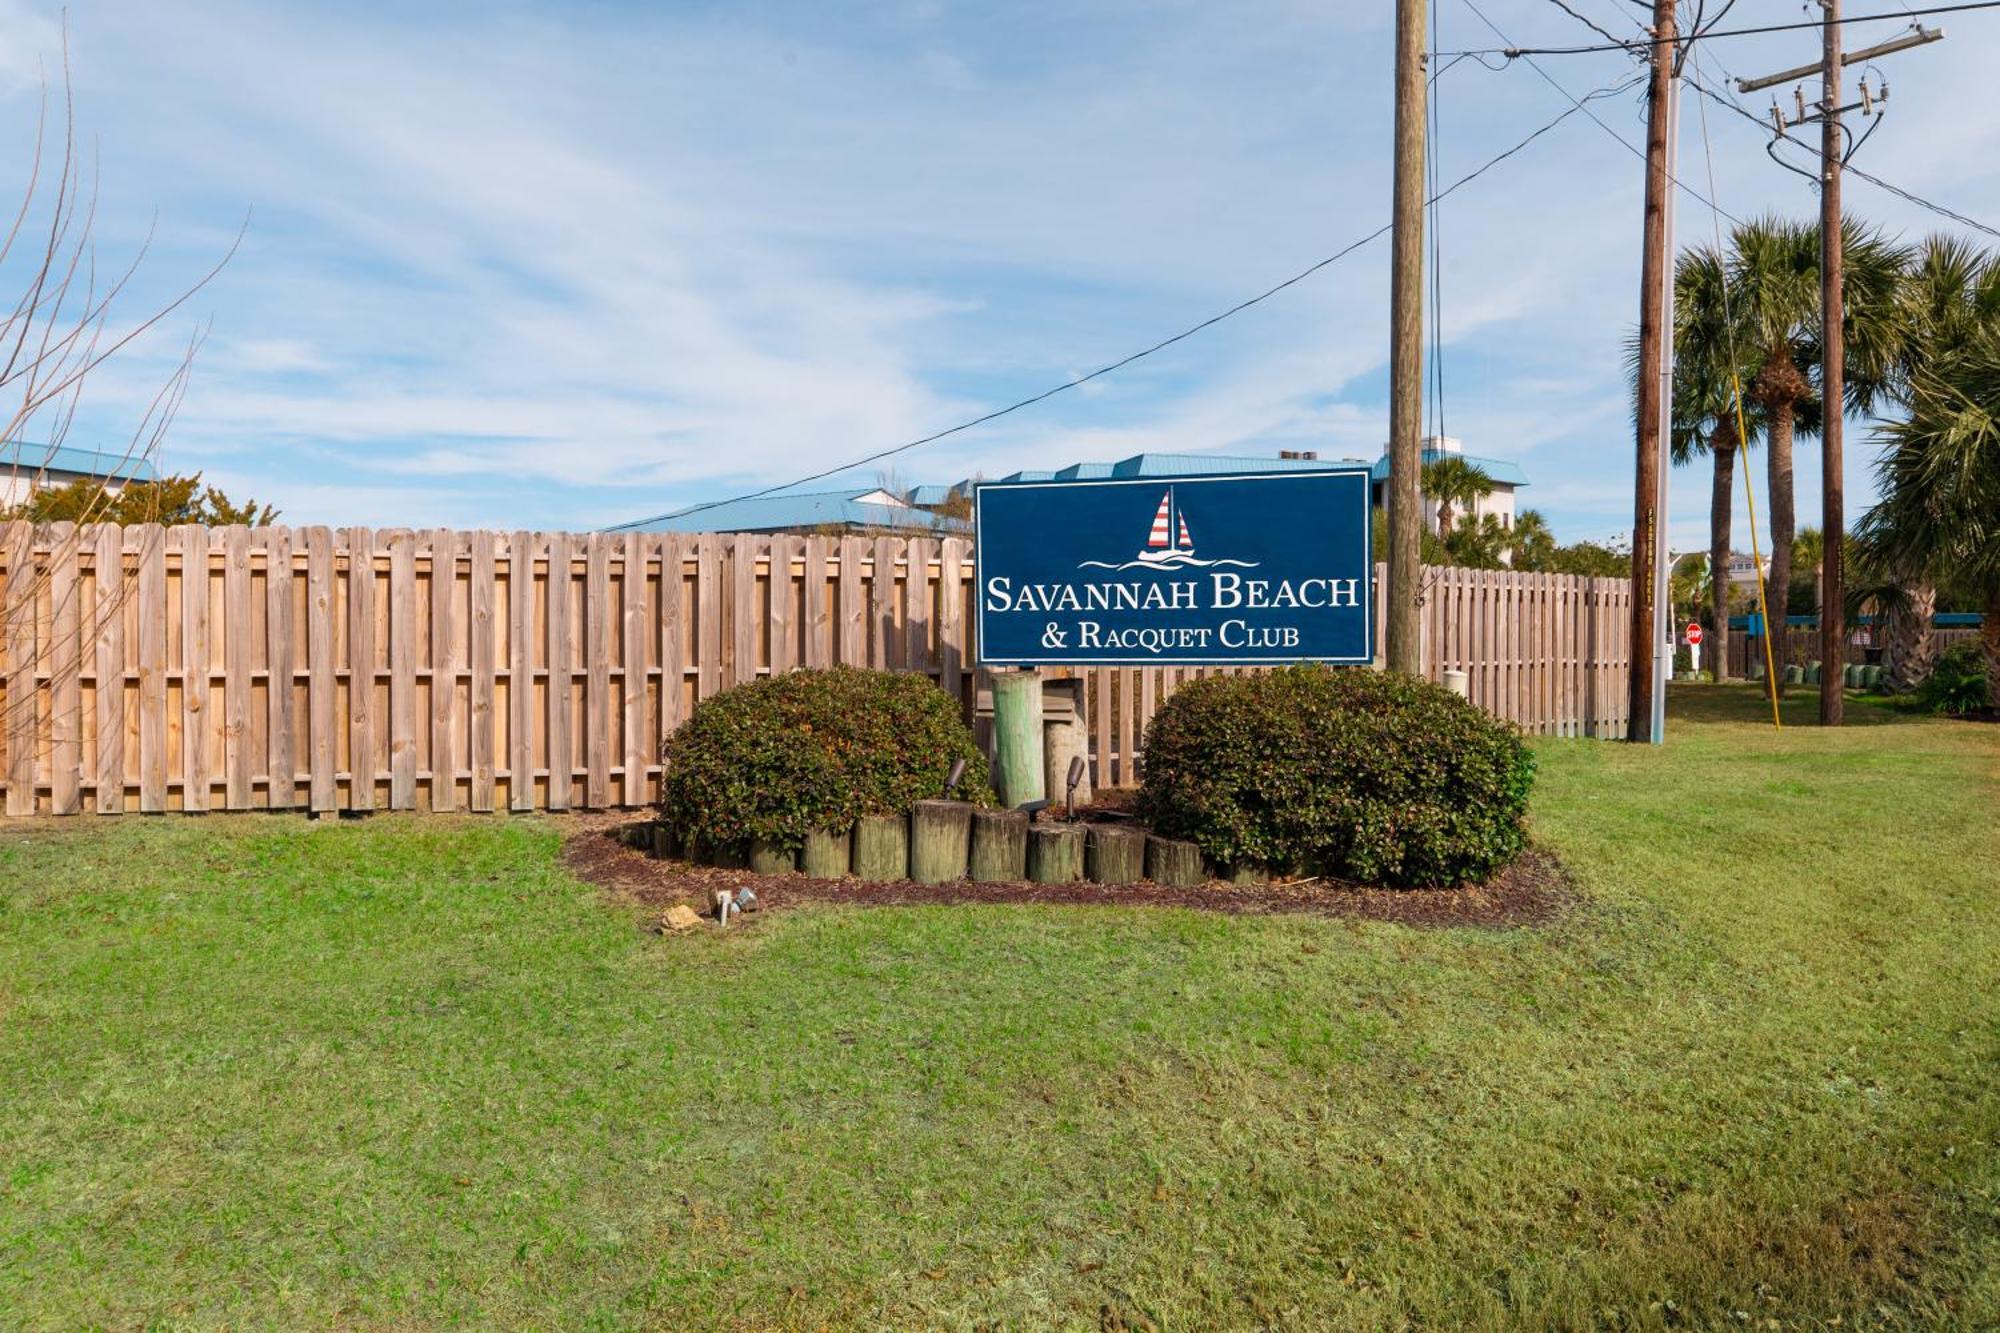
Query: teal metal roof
x,y
1498,470
775,512
21,456
1197,465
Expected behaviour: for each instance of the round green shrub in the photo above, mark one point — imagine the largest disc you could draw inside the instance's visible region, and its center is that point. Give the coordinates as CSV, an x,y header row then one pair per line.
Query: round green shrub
x,y
1365,775
778,757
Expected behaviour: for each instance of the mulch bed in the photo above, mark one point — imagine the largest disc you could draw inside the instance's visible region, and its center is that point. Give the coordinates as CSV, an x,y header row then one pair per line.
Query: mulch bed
x,y
1532,891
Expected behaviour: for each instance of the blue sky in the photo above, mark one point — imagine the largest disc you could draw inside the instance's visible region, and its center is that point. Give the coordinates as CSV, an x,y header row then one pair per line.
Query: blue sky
x,y
567,264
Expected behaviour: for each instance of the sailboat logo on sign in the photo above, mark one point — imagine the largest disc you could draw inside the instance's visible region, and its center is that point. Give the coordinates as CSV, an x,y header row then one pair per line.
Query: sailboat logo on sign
x,y
1169,545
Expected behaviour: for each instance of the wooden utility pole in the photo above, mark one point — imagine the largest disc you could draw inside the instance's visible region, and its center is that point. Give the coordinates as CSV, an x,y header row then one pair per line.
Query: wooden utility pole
x,y
1406,337
1833,352
1654,274
1833,384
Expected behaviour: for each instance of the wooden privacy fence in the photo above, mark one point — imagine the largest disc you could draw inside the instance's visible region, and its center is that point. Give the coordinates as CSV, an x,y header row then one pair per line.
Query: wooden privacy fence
x,y
189,668
1801,645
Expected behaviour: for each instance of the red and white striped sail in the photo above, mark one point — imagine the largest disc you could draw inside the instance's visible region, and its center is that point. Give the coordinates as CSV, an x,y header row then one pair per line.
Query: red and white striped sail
x,y
1186,542
1162,529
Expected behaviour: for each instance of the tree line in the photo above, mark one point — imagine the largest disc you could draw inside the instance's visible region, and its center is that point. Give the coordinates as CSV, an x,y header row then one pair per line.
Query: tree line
x,y
1922,340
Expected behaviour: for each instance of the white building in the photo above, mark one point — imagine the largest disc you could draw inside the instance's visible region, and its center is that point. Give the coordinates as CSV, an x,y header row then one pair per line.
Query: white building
x,y
1507,478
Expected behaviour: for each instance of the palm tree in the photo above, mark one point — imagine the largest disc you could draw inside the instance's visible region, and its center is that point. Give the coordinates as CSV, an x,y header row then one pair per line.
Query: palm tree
x,y
1709,371
1774,292
1950,293
1531,545
1454,484
1940,480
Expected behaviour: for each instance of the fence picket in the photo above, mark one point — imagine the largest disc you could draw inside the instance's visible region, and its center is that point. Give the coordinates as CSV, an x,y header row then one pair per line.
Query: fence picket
x,y
598,613
951,616
447,660
521,671
402,670
360,669
673,639
784,604
194,711
561,652
632,680
853,606
820,648
17,665
708,615
64,656
237,665
281,763
482,656
882,605
109,675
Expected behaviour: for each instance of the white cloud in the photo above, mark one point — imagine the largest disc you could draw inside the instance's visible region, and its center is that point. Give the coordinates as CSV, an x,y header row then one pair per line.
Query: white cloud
x,y
579,259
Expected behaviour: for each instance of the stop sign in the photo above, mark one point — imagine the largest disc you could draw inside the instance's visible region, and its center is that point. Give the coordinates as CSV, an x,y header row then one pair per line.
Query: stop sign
x,y
1694,635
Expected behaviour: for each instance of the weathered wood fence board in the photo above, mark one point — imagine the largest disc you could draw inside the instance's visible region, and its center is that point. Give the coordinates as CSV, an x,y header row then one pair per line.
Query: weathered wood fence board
x,y
153,669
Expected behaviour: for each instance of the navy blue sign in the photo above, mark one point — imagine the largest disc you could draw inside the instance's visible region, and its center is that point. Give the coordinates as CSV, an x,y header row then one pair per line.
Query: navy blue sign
x,y
1251,568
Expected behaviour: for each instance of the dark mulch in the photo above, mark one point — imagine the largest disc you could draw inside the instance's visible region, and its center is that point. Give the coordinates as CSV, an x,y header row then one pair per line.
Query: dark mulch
x,y
1532,891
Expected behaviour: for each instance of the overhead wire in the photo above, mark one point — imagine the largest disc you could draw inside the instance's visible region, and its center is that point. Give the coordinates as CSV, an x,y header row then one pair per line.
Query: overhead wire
x,y
1431,166
1587,22
1114,366
1629,146
1909,196
1511,51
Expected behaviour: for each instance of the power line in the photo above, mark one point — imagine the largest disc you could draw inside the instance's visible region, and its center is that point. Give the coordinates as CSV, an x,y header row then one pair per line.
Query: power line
x,y
1922,202
1588,22
1431,162
1910,196
1629,147
1511,51
1122,362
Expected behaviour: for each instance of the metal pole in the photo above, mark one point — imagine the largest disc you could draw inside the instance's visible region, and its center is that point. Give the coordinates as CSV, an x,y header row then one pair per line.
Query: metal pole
x,y
1406,335
1833,383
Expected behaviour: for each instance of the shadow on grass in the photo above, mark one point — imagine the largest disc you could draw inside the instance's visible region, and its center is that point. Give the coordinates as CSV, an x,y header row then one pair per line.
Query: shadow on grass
x,y
1735,704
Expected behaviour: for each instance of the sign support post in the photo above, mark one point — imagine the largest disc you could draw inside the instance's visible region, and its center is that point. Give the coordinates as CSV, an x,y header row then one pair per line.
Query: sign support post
x,y
1019,775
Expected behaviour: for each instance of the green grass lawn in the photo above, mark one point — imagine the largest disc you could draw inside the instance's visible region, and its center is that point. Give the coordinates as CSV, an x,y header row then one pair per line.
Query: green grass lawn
x,y
405,1072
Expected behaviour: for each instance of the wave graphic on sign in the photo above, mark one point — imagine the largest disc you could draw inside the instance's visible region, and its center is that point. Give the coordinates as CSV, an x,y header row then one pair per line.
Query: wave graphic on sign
x,y
1168,546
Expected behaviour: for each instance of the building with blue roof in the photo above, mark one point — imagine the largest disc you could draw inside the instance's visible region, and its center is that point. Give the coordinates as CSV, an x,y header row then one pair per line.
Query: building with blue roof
x,y
936,509
871,510
1506,476
26,468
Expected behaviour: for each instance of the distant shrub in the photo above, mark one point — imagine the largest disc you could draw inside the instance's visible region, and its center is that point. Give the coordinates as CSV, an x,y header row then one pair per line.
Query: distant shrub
x,y
1367,775
775,758
1957,685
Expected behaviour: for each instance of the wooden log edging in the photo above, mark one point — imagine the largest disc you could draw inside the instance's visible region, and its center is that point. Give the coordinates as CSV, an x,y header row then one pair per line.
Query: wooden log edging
x,y
1114,854
940,841
881,847
827,854
999,846
1172,862
1055,853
